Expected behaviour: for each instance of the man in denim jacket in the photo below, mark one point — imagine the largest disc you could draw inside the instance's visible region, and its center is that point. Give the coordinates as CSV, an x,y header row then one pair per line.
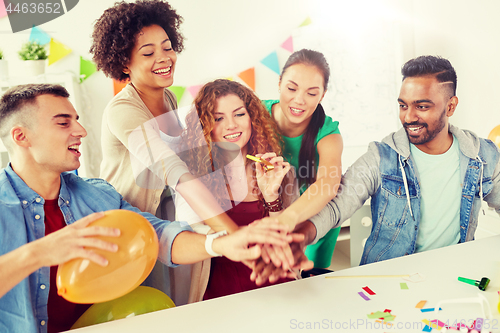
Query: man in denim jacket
x,y
40,129
426,181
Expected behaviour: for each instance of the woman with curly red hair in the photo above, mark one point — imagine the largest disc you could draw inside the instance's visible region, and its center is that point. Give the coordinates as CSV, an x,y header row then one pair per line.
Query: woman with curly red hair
x,y
227,123
139,42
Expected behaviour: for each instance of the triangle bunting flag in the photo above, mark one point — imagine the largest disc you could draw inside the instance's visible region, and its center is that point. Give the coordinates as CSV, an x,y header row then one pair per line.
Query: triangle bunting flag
x,y
178,91
288,44
57,51
307,21
87,68
193,90
3,12
248,77
119,85
39,36
271,61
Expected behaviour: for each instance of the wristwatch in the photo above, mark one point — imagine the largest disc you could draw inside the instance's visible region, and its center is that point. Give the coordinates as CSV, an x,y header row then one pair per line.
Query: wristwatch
x,y
210,240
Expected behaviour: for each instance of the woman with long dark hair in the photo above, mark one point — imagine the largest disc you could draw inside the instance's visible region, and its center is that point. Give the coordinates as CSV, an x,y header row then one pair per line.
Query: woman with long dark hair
x,y
312,143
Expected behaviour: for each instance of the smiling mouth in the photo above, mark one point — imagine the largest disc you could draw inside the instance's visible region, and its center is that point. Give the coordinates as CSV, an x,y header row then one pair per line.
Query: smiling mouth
x,y
163,71
296,111
414,128
75,148
232,136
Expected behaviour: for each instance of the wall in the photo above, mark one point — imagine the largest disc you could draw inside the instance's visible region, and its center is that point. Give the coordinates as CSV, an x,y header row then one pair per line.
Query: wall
x,y
225,37
468,34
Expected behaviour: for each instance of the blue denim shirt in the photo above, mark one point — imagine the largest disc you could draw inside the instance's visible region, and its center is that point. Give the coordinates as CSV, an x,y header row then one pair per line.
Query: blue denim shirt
x,y
395,224
24,308
387,174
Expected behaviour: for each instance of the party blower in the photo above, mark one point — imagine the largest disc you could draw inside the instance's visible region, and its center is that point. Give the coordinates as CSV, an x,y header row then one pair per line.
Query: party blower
x,y
265,164
481,284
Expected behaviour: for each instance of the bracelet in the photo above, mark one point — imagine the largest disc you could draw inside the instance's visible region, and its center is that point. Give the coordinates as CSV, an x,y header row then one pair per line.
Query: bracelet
x,y
274,206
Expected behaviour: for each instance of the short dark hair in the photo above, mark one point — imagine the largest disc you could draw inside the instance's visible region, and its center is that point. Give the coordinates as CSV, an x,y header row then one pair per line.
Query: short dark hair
x,y
17,98
115,32
431,65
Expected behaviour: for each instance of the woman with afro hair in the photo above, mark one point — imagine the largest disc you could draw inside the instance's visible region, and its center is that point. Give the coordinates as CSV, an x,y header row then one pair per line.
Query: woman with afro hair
x,y
230,121
141,129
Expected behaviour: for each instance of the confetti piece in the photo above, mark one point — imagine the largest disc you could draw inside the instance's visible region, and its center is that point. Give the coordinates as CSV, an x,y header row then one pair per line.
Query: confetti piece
x,y
403,285
429,309
427,329
387,310
368,290
415,277
420,304
378,314
363,296
432,323
439,323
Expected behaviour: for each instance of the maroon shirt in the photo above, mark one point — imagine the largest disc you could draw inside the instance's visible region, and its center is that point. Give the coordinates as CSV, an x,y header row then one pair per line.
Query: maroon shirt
x,y
228,277
62,313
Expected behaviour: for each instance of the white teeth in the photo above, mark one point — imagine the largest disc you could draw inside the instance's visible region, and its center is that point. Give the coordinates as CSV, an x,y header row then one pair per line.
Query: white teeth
x,y
232,136
162,71
74,147
294,110
414,129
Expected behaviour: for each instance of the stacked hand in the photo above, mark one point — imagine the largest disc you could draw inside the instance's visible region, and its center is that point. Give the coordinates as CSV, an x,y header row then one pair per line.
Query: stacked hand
x,y
280,261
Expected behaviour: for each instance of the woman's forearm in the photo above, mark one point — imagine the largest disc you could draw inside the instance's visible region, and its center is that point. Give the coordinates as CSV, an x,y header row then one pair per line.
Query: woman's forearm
x,y
204,204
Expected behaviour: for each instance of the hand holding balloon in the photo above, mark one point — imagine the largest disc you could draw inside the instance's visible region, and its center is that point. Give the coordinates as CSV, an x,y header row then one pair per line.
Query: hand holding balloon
x,y
78,240
83,281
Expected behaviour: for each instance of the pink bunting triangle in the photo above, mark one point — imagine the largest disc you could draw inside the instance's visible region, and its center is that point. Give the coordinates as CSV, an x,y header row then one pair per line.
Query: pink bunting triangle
x,y
288,44
3,12
193,90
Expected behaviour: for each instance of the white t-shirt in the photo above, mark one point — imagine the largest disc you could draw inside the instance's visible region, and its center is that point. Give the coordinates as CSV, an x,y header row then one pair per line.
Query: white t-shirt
x,y
439,177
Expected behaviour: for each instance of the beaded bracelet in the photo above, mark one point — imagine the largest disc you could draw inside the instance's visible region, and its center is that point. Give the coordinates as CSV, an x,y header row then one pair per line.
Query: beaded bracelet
x,y
274,206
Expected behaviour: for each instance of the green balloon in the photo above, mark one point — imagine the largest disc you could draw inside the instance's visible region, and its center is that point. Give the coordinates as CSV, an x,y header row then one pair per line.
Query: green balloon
x,y
138,301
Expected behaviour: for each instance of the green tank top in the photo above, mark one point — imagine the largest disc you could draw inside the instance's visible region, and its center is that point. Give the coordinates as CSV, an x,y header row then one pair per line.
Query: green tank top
x,y
292,145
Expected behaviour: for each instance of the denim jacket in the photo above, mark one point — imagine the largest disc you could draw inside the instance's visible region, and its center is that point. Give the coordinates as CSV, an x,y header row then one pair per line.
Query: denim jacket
x,y
24,307
387,173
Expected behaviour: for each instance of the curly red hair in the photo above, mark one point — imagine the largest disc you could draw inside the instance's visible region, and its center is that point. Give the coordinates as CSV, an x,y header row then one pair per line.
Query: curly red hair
x,y
264,137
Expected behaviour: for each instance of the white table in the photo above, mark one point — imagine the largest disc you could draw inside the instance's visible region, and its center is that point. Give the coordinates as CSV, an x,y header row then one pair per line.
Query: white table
x,y
334,305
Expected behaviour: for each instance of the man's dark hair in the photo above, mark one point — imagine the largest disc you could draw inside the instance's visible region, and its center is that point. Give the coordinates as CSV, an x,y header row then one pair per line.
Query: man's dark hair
x,y
431,65
17,98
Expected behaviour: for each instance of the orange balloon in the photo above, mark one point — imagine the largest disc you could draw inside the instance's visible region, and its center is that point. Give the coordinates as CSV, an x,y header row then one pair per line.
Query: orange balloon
x,y
83,281
495,135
